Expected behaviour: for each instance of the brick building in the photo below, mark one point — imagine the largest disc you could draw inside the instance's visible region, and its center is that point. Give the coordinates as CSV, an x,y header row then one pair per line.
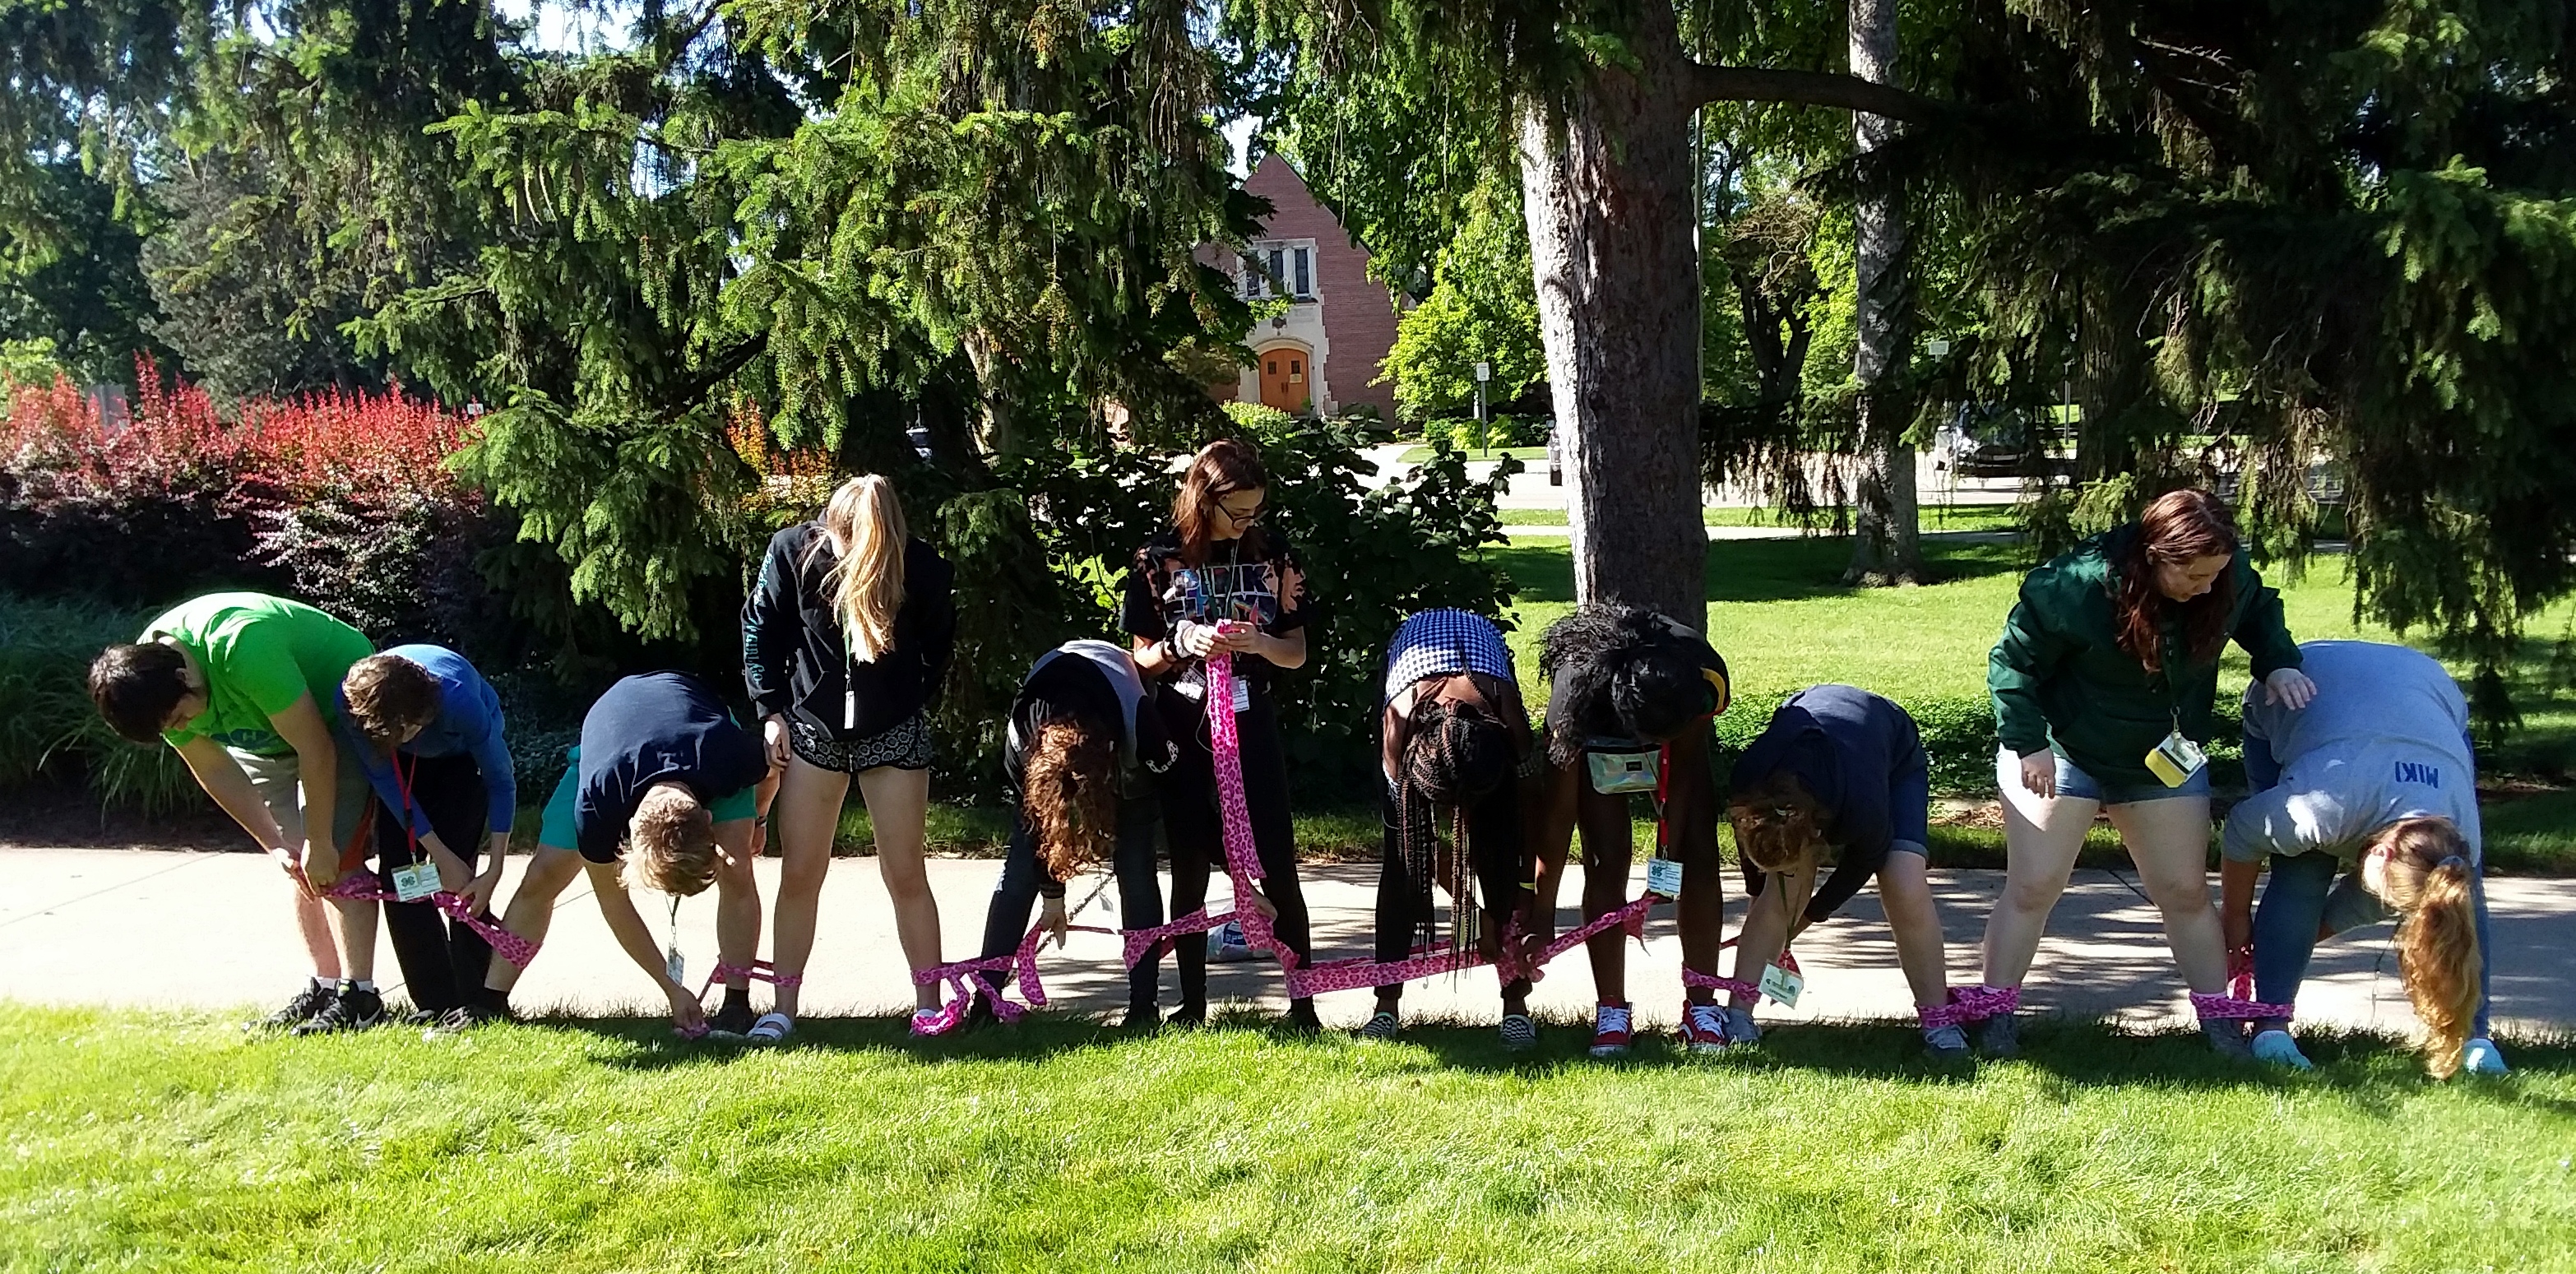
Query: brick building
x,y
1322,355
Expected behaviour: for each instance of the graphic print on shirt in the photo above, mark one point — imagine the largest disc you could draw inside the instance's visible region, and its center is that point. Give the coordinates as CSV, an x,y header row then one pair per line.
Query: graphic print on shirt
x,y
1244,592
2418,772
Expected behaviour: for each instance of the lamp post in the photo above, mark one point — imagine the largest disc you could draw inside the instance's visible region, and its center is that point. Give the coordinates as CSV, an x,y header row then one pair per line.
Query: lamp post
x,y
1484,438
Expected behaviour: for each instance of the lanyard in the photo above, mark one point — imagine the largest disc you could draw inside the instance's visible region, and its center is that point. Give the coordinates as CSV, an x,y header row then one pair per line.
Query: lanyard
x,y
411,829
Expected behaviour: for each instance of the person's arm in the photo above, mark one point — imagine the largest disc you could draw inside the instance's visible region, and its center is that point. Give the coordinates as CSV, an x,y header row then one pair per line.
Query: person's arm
x,y
2236,900
2030,653
1284,642
231,790
1853,871
938,636
317,772
2265,636
609,886
2262,768
772,626
1391,735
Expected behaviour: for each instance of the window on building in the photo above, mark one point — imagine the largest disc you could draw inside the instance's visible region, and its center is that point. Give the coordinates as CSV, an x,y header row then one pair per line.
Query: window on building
x,y
1278,268
1251,276
1305,274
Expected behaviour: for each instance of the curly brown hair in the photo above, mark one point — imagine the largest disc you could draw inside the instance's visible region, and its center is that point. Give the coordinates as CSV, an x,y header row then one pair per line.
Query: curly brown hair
x,y
2431,880
1778,824
1069,795
387,694
2181,526
672,843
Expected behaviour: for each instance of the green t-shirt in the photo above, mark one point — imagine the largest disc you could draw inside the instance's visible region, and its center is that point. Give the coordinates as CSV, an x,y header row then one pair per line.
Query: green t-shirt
x,y
260,654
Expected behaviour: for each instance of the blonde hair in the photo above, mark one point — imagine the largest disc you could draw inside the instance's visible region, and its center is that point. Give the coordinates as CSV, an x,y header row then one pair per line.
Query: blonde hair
x,y
671,843
2431,880
864,530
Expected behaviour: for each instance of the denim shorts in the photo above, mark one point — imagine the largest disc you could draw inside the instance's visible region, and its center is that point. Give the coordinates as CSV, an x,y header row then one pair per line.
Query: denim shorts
x,y
2074,782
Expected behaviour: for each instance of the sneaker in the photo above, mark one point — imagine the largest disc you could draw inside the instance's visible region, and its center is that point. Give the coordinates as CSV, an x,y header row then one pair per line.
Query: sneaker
x,y
732,1019
2276,1048
1227,945
2227,1039
1188,1015
2481,1057
1610,1031
349,1010
1740,1028
1301,1016
1999,1036
1946,1044
1703,1028
927,1023
1382,1025
1520,1034
314,998
467,1017
421,1017
1144,1015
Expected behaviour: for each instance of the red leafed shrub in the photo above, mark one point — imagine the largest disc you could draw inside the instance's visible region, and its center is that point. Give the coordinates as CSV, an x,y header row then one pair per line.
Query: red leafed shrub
x,y
344,499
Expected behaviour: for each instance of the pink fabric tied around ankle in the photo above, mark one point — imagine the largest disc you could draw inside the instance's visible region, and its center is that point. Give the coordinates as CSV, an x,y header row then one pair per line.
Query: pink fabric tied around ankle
x,y
1971,1004
1698,981
1021,964
756,971
360,886
2238,1003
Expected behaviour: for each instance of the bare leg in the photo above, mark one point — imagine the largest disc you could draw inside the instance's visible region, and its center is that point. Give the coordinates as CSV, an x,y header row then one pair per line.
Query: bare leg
x,y
313,924
2038,859
2169,841
357,928
1608,844
1905,893
807,815
737,911
898,805
532,908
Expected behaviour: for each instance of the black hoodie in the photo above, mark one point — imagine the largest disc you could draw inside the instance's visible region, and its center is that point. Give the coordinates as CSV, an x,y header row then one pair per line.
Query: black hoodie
x,y
797,662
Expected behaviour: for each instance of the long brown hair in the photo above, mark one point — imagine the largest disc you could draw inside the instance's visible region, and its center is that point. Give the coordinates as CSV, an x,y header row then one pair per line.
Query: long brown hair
x,y
2180,527
863,529
2430,879
1777,822
1067,793
1221,468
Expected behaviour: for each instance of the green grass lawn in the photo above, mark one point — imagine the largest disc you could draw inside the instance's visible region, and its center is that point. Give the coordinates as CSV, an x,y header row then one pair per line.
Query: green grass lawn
x,y
1966,517
1537,454
174,1142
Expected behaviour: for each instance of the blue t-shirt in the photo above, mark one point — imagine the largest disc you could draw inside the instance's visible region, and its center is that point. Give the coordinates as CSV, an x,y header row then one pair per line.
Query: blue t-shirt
x,y
469,723
646,730
1849,748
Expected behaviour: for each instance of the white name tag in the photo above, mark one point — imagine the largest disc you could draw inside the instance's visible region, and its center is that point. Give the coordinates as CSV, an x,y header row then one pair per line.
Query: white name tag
x,y
1242,696
2176,759
1782,986
675,967
1664,877
413,883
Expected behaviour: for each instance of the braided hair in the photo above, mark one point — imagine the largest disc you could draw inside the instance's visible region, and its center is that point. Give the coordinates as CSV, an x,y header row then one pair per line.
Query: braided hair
x,y
1618,670
1456,755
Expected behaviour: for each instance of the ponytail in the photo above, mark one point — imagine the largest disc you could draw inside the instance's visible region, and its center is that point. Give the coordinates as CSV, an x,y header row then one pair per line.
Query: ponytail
x,y
2432,881
864,530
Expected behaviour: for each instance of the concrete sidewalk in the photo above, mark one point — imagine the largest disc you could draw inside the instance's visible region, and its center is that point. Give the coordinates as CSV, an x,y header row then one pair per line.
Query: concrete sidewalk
x,y
208,930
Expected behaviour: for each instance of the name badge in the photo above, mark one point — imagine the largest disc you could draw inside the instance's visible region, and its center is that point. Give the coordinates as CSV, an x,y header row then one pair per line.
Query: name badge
x,y
2176,759
674,967
1664,877
413,883
1782,986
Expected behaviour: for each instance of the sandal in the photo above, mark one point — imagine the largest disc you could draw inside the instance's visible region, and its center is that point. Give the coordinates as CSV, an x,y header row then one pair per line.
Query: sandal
x,y
771,1028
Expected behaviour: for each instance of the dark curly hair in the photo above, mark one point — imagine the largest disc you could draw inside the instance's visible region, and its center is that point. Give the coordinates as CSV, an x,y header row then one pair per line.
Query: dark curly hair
x,y
1619,671
1070,796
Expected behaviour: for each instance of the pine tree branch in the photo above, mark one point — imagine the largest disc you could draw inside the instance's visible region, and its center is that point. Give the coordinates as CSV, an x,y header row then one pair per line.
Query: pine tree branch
x,y
686,394
1806,88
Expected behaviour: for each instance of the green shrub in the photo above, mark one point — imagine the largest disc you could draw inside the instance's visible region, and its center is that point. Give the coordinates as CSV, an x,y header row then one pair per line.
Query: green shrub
x,y
1259,420
49,732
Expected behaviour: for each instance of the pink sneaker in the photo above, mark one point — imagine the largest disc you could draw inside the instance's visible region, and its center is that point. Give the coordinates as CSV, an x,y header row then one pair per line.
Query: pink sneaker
x,y
1610,1031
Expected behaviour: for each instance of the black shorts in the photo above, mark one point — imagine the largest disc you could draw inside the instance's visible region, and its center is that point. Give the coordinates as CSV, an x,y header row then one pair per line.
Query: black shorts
x,y
905,746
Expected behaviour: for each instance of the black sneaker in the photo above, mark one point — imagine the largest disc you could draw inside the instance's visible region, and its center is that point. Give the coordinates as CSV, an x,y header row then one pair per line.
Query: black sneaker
x,y
732,1019
1188,1015
314,998
468,1016
349,1010
1382,1025
1143,1015
1301,1017
1999,1037
2227,1039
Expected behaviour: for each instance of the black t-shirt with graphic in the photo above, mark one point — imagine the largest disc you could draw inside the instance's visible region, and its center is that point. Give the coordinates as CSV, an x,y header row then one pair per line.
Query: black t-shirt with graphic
x,y
1162,590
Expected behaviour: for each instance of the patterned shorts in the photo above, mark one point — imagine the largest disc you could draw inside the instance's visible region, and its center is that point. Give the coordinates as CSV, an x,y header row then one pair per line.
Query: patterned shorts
x,y
905,746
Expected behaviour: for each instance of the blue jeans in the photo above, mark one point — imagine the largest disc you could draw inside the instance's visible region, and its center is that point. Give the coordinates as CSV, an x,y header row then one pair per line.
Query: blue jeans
x,y
2073,782
2303,898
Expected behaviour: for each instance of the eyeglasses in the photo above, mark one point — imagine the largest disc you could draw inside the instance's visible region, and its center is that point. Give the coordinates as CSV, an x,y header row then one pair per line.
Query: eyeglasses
x,y
1241,519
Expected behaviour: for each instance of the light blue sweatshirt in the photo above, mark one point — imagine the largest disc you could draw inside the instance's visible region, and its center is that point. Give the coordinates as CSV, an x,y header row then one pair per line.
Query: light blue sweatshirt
x,y
2386,738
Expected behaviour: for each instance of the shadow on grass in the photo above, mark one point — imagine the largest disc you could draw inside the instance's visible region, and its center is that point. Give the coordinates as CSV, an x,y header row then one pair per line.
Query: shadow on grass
x,y
1759,570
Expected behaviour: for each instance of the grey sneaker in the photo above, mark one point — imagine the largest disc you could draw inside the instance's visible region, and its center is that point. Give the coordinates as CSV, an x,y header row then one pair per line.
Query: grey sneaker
x,y
1382,1025
314,998
1520,1034
2227,1039
1999,1036
1946,1044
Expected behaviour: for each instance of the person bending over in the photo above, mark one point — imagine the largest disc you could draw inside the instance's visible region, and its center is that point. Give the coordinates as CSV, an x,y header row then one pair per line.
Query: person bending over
x,y
1453,740
425,728
1083,754
2102,685
844,644
1838,769
664,792
243,686
2376,779
1632,694
1217,581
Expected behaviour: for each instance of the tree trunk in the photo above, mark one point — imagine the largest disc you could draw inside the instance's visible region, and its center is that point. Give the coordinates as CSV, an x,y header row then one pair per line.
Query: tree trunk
x,y
1000,434
1887,548
1608,190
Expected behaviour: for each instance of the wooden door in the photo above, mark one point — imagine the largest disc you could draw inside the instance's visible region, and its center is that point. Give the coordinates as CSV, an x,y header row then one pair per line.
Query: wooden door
x,y
1283,379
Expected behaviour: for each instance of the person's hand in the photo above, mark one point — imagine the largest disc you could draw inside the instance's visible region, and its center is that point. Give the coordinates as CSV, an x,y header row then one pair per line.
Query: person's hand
x,y
1261,905
2039,773
452,871
2238,930
321,866
285,859
478,892
688,1016
2290,688
1241,639
773,734
1051,915
1194,639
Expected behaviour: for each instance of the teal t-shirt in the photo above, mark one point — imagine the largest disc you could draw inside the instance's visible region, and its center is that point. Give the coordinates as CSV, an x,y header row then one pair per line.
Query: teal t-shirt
x,y
260,654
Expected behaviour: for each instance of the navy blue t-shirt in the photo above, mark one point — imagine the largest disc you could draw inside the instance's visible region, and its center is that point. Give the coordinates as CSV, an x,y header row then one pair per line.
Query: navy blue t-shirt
x,y
647,729
1848,747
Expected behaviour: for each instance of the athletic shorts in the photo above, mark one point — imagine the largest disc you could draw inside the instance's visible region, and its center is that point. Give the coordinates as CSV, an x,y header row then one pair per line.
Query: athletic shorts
x,y
278,780
557,830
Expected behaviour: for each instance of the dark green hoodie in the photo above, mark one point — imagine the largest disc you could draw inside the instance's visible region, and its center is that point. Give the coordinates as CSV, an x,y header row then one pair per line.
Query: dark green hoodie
x,y
2059,674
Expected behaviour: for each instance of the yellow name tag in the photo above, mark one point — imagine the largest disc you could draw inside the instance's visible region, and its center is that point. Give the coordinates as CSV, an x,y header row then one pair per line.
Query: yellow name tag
x,y
2176,759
